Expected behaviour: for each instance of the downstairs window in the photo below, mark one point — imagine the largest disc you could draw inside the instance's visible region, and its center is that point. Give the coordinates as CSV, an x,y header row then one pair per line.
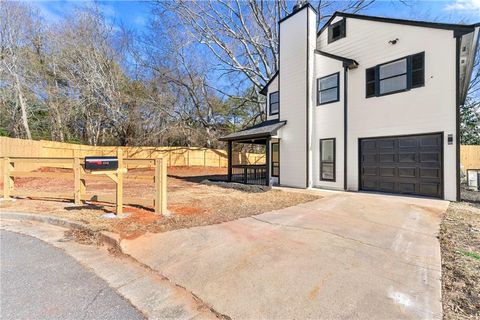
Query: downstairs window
x,y
327,159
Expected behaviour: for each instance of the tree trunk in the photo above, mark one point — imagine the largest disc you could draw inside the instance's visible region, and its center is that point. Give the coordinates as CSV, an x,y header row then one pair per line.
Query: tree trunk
x,y
23,108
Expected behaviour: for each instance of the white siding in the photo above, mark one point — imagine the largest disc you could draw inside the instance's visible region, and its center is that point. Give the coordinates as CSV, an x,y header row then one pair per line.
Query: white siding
x,y
422,110
293,99
328,123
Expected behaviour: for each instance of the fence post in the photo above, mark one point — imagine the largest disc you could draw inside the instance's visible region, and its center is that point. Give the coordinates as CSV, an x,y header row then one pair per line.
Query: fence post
x,y
79,183
119,193
161,186
7,179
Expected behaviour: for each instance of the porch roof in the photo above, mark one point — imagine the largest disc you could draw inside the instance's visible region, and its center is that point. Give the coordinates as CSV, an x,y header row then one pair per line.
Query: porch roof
x,y
262,130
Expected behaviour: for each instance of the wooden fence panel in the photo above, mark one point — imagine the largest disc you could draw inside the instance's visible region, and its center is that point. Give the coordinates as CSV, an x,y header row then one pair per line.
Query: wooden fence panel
x,y
174,156
470,157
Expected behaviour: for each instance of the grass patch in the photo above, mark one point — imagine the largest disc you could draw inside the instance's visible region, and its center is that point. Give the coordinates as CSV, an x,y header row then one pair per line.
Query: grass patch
x,y
470,254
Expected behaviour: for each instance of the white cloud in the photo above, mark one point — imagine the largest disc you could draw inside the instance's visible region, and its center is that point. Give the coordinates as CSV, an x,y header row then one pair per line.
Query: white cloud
x,y
464,5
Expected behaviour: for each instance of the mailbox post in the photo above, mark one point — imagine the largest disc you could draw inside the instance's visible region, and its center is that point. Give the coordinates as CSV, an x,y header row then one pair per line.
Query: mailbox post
x,y
113,168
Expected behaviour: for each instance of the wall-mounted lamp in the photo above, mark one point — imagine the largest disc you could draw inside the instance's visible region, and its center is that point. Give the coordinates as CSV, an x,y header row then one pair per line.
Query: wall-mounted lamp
x,y
394,41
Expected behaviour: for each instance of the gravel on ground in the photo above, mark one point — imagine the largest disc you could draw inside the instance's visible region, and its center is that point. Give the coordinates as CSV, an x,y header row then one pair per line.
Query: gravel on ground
x,y
460,245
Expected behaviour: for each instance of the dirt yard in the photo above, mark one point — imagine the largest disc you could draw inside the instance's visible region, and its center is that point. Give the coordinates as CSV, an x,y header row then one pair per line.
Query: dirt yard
x,y
460,244
190,202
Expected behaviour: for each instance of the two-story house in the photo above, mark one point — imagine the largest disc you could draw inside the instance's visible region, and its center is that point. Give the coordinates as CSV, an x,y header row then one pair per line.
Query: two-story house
x,y
366,103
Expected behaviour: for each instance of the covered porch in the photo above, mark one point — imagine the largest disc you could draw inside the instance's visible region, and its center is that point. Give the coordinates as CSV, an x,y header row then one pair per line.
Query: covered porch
x,y
262,134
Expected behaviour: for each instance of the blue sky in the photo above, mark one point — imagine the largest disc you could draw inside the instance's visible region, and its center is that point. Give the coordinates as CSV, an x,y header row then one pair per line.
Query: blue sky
x,y
134,14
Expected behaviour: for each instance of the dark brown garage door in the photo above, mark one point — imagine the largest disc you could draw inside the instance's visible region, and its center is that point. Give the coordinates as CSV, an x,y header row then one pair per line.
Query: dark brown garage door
x,y
403,164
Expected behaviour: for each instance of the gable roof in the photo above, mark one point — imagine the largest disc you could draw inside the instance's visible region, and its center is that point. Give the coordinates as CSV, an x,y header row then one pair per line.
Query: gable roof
x,y
265,88
436,25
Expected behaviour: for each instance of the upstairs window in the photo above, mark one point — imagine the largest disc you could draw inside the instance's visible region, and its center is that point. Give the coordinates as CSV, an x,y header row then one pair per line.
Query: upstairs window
x,y
274,103
393,76
328,89
336,31
396,76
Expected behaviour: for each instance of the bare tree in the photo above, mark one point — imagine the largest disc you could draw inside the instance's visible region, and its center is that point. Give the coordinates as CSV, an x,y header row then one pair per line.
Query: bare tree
x,y
15,30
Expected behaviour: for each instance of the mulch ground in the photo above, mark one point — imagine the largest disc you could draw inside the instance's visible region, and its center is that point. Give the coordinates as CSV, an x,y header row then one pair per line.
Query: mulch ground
x,y
460,245
190,202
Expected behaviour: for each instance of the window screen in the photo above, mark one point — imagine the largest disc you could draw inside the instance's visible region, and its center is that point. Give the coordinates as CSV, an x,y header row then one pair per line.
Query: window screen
x,y
274,103
327,159
328,89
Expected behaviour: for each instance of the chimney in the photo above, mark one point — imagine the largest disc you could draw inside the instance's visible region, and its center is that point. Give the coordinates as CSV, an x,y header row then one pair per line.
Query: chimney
x,y
296,88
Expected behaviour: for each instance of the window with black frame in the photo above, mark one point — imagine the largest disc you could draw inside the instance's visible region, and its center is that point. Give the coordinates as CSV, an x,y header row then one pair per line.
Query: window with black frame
x,y
327,159
328,89
275,159
396,76
337,31
274,103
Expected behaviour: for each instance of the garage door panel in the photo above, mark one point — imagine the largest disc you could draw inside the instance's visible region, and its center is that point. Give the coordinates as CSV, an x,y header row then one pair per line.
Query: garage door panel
x,y
384,145
407,157
369,145
430,141
370,171
369,184
386,157
407,172
406,187
407,165
387,172
407,143
430,173
369,158
430,189
387,186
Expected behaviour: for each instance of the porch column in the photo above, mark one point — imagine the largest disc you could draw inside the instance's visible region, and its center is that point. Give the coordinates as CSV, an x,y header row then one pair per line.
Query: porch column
x,y
229,159
267,162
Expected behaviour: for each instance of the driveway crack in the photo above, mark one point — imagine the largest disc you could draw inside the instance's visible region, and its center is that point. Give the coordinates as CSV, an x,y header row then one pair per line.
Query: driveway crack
x,y
340,236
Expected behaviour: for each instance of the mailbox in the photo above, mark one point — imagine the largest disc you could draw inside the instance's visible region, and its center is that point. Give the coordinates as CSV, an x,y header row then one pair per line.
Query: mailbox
x,y
101,163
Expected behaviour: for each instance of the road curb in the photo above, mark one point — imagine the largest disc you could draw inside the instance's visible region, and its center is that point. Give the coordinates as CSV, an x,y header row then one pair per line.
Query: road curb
x,y
105,237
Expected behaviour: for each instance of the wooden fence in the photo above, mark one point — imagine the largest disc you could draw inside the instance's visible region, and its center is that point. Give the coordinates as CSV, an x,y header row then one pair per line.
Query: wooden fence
x,y
470,157
79,192
175,156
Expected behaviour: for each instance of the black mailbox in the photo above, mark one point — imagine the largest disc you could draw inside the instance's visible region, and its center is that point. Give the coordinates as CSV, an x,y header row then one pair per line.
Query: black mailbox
x,y
101,163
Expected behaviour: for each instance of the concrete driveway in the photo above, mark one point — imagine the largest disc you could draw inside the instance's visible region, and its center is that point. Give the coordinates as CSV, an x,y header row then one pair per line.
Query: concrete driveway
x,y
347,255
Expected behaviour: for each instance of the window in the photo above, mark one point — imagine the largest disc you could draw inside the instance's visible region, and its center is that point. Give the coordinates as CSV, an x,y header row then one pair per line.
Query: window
x,y
274,103
396,76
275,159
336,31
393,76
327,159
328,89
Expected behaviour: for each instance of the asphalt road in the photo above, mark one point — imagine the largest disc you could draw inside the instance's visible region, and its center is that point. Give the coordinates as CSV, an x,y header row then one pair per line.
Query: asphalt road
x,y
38,281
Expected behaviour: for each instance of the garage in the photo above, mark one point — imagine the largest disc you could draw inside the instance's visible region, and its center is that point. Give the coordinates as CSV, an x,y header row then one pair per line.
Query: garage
x,y
403,164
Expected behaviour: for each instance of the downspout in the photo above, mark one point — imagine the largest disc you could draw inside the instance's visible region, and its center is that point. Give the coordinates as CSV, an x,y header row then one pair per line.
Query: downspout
x,y
307,147
345,125
458,41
